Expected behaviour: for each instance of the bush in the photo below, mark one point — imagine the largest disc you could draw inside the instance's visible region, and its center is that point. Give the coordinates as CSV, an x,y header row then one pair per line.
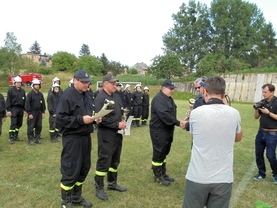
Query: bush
x,y
45,70
133,71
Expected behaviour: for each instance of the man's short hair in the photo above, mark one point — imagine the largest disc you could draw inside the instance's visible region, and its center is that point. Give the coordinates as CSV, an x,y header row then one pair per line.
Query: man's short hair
x,y
215,85
200,80
271,87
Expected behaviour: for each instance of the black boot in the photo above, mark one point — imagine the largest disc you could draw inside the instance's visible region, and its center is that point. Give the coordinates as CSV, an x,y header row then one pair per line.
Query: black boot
x,y
77,198
99,187
16,138
37,139
57,134
166,177
158,175
112,182
11,137
31,140
66,198
134,124
53,138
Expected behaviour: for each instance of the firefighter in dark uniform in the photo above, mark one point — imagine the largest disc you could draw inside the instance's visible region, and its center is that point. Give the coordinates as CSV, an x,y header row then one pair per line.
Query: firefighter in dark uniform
x,y
52,102
75,122
119,92
145,106
162,124
15,106
90,92
35,108
137,105
127,97
99,89
56,80
2,113
109,139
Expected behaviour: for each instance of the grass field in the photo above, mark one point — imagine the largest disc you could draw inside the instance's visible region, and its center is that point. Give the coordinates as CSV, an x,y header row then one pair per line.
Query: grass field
x,y
30,176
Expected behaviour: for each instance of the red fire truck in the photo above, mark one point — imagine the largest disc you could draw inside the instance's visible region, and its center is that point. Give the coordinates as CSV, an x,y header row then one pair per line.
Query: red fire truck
x,y
26,78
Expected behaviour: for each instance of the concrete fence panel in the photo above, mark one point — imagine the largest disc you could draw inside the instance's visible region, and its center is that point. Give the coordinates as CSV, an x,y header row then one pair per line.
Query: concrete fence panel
x,y
240,87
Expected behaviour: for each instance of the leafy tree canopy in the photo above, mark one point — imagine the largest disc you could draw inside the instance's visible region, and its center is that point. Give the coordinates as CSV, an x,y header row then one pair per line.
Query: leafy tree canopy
x,y
233,31
64,61
167,66
11,44
91,64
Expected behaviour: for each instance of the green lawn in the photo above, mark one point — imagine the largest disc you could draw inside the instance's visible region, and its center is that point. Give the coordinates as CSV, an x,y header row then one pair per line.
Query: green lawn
x,y
30,176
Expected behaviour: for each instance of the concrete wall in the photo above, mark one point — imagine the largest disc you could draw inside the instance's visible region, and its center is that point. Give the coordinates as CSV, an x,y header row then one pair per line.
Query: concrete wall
x,y
240,87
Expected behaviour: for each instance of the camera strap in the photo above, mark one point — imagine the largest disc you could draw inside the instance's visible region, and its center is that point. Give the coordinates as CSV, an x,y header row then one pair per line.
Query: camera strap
x,y
214,101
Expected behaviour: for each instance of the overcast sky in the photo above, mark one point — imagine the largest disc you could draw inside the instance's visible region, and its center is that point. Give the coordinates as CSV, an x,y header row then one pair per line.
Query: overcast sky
x,y
127,31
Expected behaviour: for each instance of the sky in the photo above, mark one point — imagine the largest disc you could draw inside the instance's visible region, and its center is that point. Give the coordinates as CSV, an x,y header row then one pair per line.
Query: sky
x,y
126,31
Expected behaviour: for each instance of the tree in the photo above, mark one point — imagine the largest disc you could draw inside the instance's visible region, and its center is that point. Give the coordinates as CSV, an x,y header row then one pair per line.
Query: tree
x,y
105,63
84,50
237,27
167,66
10,54
267,46
64,61
191,36
233,30
28,65
116,67
43,62
11,44
91,64
35,48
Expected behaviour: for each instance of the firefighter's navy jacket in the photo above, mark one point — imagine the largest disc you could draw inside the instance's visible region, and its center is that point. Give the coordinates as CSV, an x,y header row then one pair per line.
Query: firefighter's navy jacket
x,y
15,98
137,98
163,112
71,108
52,102
145,100
111,120
35,102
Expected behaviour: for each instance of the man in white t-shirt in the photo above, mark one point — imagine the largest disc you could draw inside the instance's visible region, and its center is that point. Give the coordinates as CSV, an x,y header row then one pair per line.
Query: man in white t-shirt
x,y
215,128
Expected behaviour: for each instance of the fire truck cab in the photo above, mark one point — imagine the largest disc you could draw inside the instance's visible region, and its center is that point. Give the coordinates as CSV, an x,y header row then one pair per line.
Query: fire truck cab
x,y
26,78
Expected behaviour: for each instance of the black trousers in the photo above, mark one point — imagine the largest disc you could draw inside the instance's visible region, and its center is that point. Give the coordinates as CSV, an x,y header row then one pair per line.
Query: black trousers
x,y
145,113
137,110
35,123
109,150
75,159
52,123
16,118
161,144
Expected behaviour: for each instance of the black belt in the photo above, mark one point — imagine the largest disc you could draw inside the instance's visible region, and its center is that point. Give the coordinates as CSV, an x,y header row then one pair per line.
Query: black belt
x,y
268,129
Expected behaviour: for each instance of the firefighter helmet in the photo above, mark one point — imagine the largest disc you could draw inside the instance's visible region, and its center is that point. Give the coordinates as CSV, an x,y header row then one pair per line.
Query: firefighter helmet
x,y
35,82
70,83
137,85
17,79
56,79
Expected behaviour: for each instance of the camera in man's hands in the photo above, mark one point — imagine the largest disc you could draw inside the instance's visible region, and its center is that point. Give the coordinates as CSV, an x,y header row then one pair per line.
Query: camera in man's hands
x,y
260,104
